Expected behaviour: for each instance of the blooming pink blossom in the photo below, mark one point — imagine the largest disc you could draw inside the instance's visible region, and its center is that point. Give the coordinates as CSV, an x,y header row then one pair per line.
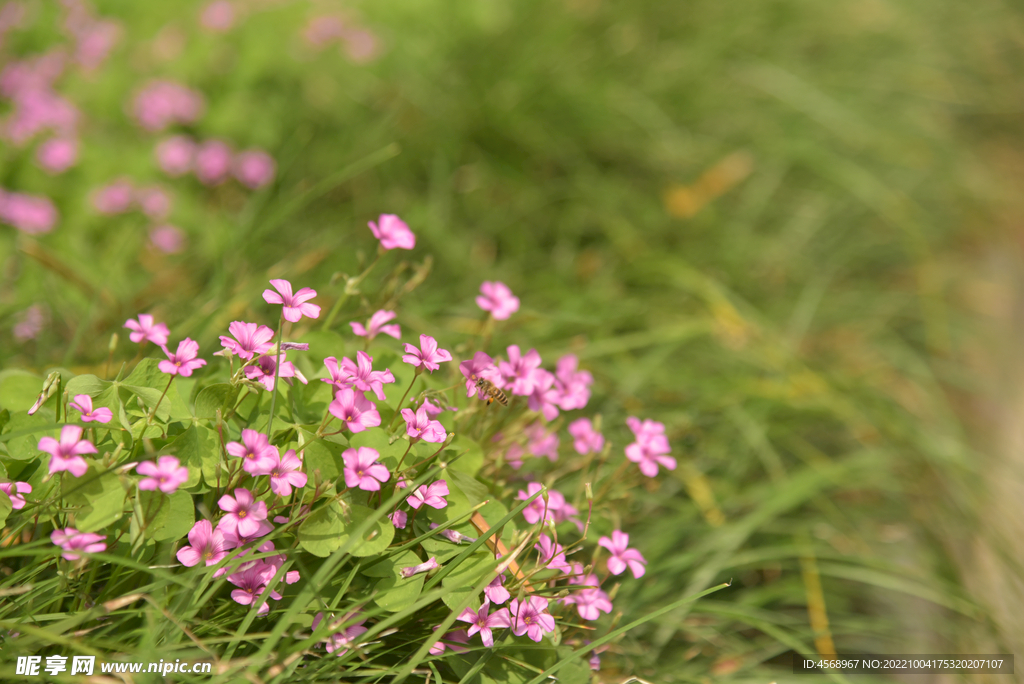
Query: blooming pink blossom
x,y
244,513
67,453
354,409
254,168
163,103
393,232
362,469
428,354
145,329
257,453
217,16
14,490
83,404
650,448
176,155
249,339
183,361
432,495
622,556
360,376
74,542
168,239
573,386
495,591
480,366
154,202
530,617
557,508
544,397
30,214
552,555
483,623
341,641
399,519
213,162
57,155
417,569
376,325
263,371
585,439
252,582
167,473
30,323
498,299
295,305
418,425
518,370
589,601
206,544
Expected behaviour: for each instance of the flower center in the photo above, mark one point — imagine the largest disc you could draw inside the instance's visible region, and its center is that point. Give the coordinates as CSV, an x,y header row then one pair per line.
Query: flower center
x,y
241,514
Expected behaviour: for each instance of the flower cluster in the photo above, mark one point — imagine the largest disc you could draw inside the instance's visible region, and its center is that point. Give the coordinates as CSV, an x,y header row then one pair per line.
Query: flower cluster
x,y
212,161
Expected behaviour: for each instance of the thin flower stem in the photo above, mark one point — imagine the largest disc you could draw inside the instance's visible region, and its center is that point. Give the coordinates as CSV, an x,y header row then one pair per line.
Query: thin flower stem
x,y
277,368
402,460
350,286
149,421
398,406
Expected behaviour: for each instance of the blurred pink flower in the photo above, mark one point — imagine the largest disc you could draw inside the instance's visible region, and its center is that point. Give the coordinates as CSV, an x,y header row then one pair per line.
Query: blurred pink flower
x,y
295,305
67,453
361,45
154,202
57,155
73,542
30,214
168,239
585,438
163,103
376,325
83,404
36,110
206,544
95,40
480,366
392,232
176,155
30,323
217,16
40,73
573,386
518,370
498,299
167,474
322,30
145,329
254,168
622,556
14,490
115,198
213,162
184,360
544,397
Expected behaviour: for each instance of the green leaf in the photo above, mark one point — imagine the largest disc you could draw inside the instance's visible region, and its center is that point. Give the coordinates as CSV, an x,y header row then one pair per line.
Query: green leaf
x,y
29,430
99,499
86,384
320,533
148,382
215,397
323,455
198,448
474,491
460,583
392,591
174,518
471,461
6,508
375,540
377,438
19,389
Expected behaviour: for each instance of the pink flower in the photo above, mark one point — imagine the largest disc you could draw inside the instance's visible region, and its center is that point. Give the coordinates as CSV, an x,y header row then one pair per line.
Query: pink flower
x,y
176,155
417,569
322,30
530,617
621,556
183,361
552,555
556,509
249,339
360,45
30,323
589,602
295,306
432,495
480,366
115,198
254,168
67,453
452,535
542,442
451,639
518,370
495,592
362,469
392,232
73,542
213,162
354,409
95,41
399,519
57,155
263,371
167,474
419,426
28,213
573,386
251,583
428,354
257,453
650,448
145,329
360,376
376,325
168,239
154,202
14,490
217,16
244,513
83,403
585,439
343,640
162,103
207,544
544,398
498,299
483,623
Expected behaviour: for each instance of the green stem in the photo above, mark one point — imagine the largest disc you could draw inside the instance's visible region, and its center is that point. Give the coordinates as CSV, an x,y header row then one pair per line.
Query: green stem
x,y
277,368
350,289
149,421
398,406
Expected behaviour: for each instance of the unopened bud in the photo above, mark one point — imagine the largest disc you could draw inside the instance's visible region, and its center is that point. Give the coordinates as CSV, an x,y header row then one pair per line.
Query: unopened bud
x,y
50,386
590,491
298,346
113,343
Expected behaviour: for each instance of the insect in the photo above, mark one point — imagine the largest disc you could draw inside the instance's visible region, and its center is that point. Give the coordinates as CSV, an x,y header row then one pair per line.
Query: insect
x,y
492,393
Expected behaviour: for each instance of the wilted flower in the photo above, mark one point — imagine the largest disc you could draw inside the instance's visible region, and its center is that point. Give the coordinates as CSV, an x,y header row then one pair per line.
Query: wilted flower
x,y
422,567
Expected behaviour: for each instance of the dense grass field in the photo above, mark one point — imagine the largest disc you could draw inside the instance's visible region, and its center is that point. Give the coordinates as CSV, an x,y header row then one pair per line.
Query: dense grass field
x,y
780,229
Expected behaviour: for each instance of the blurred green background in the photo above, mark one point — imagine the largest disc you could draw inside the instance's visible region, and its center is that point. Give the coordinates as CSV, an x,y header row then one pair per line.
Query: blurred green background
x,y
787,229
